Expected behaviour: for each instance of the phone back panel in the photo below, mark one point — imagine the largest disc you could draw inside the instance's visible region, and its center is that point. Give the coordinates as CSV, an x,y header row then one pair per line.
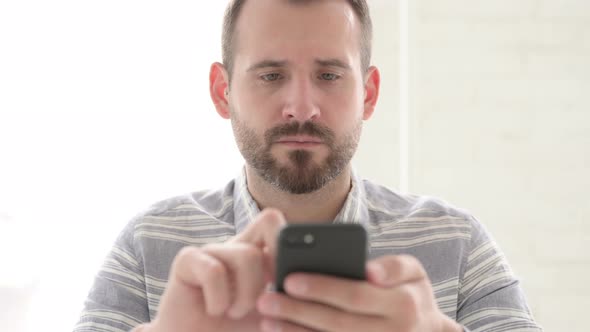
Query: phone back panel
x,y
337,249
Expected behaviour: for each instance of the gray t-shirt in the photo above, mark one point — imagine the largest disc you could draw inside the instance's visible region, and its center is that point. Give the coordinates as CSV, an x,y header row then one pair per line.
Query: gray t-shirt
x,y
471,278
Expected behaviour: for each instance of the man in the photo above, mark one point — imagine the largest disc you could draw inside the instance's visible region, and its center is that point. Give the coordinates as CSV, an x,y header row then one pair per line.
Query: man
x,y
297,84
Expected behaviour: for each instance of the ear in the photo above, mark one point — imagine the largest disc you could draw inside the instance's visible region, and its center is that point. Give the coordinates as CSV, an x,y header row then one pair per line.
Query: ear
x,y
372,82
219,89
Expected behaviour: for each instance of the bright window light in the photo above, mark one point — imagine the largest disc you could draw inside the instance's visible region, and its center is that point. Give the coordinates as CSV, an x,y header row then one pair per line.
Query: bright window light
x,y
404,50
104,110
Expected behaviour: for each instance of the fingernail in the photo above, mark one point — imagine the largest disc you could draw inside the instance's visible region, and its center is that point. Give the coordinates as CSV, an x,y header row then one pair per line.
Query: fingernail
x,y
270,287
378,271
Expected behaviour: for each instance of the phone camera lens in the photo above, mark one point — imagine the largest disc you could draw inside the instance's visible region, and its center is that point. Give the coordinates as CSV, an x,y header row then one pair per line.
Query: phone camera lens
x,y
308,238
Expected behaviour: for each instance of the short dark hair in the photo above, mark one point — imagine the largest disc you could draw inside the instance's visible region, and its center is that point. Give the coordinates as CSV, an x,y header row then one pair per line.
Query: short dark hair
x,y
234,8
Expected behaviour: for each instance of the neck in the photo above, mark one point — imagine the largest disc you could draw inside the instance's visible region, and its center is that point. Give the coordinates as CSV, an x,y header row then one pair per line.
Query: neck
x,y
319,206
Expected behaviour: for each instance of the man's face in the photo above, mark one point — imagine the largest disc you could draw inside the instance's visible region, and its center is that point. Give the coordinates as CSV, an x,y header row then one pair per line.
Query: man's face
x,y
297,91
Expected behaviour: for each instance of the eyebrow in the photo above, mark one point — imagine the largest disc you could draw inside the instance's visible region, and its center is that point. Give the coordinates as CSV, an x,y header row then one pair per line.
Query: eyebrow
x,y
277,64
333,63
267,64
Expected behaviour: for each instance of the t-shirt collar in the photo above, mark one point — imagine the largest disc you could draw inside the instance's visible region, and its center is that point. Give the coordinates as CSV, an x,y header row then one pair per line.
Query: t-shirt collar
x,y
354,209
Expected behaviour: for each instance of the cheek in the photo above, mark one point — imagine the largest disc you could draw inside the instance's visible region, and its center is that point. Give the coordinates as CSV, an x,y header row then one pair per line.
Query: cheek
x,y
341,113
348,99
256,108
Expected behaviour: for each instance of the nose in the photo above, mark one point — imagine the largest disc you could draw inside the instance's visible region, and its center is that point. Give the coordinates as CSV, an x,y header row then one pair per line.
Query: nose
x,y
300,104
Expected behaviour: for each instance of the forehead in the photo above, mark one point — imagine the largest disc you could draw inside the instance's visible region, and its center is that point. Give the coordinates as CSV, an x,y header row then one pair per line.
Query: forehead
x,y
296,31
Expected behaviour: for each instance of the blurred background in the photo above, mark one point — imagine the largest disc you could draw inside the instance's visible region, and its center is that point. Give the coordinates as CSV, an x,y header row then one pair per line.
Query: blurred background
x,y
483,103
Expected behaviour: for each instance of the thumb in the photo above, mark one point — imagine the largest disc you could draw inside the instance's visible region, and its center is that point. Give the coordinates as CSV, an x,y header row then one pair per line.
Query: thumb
x,y
393,270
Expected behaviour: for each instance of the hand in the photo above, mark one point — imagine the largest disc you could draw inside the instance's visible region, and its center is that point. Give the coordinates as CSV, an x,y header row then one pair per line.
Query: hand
x,y
397,297
215,287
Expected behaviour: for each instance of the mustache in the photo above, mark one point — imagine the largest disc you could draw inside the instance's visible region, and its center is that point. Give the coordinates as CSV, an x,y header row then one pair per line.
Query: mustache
x,y
295,128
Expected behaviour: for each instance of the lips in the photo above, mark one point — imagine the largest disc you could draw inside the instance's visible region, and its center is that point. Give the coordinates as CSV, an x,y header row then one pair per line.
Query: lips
x,y
300,140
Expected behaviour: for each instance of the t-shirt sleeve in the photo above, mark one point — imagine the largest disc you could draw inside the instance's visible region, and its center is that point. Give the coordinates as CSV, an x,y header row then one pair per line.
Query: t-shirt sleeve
x,y
490,296
117,301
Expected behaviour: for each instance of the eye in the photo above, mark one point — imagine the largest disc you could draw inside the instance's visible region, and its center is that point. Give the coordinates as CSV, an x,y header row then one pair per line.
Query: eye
x,y
271,77
329,76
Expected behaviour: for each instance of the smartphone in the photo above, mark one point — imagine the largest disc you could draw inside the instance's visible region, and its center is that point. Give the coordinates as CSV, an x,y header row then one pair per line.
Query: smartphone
x,y
334,249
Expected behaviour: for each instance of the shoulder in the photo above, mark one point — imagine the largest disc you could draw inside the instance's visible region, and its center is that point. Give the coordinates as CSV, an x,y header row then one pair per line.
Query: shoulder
x,y
424,226
213,203
186,217
390,204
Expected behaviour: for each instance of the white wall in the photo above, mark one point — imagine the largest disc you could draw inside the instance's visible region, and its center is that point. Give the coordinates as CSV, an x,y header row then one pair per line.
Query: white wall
x,y
104,109
377,156
500,126
91,94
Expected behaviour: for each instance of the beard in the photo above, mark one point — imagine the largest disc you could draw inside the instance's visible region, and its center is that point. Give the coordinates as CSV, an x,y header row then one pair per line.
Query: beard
x,y
301,174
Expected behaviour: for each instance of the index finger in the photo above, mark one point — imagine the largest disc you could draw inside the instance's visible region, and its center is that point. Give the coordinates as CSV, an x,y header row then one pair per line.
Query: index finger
x,y
263,231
